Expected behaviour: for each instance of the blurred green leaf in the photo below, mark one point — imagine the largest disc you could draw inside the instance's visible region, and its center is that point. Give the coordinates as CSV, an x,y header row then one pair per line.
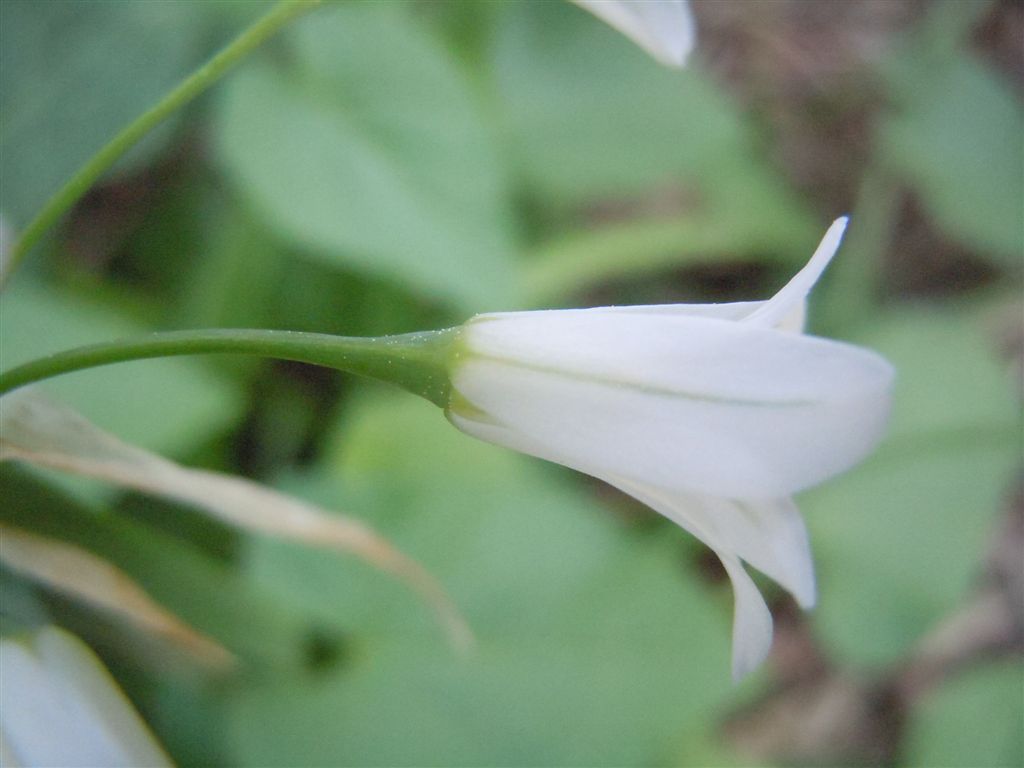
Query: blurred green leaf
x,y
315,297
950,377
189,719
899,540
568,266
590,117
168,405
23,610
846,297
234,284
597,644
366,149
974,719
956,137
71,75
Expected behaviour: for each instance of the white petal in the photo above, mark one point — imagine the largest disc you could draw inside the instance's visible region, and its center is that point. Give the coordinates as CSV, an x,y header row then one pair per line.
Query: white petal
x,y
791,298
685,403
793,321
738,311
663,28
59,706
734,310
769,534
751,624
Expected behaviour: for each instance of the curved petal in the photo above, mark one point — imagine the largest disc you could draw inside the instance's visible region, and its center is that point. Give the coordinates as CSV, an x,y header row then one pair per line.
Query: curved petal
x,y
768,534
785,311
685,403
729,536
751,623
663,28
791,297
771,536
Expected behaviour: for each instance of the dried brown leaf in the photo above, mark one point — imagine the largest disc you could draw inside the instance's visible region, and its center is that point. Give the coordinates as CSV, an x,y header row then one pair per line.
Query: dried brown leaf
x,y
40,431
79,574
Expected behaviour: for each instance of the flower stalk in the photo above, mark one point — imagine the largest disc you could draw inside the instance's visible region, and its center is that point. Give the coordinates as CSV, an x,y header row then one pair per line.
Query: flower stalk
x,y
208,74
417,362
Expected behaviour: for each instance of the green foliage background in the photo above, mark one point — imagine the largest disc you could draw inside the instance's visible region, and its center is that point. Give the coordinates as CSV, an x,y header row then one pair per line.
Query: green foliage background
x,y
388,167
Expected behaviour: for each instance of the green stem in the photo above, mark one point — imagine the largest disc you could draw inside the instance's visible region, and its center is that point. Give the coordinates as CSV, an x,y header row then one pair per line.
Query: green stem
x,y
417,362
848,298
188,89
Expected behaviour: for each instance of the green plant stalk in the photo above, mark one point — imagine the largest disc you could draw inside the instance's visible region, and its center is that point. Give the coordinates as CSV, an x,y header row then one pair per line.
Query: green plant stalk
x,y
188,89
848,298
417,362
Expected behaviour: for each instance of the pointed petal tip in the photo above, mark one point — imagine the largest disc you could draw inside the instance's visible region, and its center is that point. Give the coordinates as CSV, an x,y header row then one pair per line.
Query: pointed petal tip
x,y
799,583
665,29
791,296
807,598
752,621
827,248
745,664
794,552
833,237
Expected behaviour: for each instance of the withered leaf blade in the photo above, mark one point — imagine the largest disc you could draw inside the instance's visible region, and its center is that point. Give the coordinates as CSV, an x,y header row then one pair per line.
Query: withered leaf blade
x,y
40,431
79,574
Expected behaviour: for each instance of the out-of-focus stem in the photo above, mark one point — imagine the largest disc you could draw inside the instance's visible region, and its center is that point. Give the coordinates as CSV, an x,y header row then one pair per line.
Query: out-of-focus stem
x,y
188,89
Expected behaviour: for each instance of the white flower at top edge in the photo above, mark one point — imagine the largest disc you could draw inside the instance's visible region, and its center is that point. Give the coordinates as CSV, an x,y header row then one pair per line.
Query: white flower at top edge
x,y
711,414
663,28
60,706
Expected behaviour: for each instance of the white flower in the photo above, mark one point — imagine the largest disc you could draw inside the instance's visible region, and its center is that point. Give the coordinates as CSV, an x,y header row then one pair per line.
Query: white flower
x,y
663,28
59,706
711,414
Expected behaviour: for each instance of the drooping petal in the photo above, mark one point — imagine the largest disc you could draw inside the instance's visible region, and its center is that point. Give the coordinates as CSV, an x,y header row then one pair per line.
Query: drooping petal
x,y
686,403
663,28
771,536
768,534
781,555
751,623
